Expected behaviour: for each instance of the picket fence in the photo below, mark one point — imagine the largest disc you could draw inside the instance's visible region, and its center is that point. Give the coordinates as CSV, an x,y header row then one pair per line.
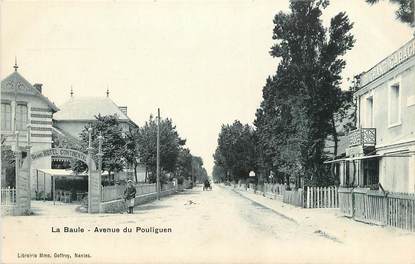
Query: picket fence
x,y
241,186
251,188
8,196
322,197
274,190
312,197
377,207
270,190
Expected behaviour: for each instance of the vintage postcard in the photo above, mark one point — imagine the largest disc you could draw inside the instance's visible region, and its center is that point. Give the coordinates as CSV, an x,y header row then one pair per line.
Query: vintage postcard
x,y
187,131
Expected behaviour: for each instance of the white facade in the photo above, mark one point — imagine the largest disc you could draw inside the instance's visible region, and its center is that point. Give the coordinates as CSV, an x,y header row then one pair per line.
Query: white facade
x,y
386,102
23,104
78,112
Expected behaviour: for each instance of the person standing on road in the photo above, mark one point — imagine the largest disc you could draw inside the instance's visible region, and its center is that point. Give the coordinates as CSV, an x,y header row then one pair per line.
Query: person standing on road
x,y
129,196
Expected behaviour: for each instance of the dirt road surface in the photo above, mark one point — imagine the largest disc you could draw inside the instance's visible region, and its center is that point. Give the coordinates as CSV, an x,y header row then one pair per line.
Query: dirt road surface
x,y
218,226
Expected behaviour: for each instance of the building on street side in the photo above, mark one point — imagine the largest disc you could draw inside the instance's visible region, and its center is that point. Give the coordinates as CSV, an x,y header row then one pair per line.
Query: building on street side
x,y
78,112
22,104
382,148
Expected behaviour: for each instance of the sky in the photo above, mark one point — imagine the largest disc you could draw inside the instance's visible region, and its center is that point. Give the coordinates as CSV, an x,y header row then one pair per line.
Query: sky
x,y
202,63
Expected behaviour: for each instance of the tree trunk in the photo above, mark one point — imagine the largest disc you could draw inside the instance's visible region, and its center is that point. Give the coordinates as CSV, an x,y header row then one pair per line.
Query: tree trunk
x,y
146,177
135,173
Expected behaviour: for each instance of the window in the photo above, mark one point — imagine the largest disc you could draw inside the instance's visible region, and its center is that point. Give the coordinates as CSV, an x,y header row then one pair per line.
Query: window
x,y
6,117
369,112
394,105
21,117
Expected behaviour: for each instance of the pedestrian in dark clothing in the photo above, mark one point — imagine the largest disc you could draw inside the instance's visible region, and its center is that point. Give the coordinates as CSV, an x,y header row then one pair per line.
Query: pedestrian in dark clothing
x,y
129,196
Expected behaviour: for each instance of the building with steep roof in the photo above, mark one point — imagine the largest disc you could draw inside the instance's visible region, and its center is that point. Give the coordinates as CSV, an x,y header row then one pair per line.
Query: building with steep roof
x,y
22,104
78,112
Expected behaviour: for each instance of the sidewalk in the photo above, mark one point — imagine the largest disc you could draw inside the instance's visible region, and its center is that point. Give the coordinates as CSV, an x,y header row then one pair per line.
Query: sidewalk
x,y
331,224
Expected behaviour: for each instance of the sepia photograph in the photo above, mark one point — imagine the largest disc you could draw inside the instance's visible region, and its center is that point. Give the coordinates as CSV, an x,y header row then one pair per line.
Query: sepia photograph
x,y
218,131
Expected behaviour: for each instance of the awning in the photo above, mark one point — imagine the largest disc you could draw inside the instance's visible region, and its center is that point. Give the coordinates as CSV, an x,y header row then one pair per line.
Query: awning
x,y
367,157
335,161
66,173
62,173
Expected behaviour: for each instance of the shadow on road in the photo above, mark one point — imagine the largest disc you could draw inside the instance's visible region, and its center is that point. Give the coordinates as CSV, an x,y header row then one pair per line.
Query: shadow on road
x,y
47,208
150,207
189,191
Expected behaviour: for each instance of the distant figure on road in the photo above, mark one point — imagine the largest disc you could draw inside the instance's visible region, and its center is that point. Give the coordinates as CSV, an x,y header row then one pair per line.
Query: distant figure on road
x,y
129,196
206,185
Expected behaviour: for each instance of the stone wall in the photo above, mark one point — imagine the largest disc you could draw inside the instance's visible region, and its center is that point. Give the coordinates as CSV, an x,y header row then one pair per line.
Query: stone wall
x,y
117,205
8,210
14,210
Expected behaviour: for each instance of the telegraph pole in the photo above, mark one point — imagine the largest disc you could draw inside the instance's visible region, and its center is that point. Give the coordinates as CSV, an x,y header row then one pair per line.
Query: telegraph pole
x,y
413,17
158,154
15,97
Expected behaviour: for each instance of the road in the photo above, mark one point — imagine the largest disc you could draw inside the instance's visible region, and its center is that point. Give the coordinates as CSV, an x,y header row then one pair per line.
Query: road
x,y
202,226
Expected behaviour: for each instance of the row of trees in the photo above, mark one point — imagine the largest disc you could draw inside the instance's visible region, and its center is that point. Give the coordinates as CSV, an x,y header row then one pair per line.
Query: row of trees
x,y
300,103
130,148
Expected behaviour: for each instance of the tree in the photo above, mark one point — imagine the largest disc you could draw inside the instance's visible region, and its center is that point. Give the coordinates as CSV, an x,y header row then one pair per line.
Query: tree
x,y
170,144
345,117
236,150
218,173
405,12
131,149
184,164
199,173
8,161
301,100
272,127
113,147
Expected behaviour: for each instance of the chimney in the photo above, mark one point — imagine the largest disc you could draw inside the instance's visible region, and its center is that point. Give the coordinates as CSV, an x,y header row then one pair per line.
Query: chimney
x,y
123,109
38,87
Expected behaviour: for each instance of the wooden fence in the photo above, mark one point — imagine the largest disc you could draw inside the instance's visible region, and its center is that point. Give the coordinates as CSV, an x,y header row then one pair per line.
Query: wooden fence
x,y
240,186
345,201
8,196
274,190
294,197
322,197
243,186
377,207
267,189
401,211
313,197
251,187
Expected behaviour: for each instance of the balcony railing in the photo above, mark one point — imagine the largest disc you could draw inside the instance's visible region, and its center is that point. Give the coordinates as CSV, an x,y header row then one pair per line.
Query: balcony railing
x,y
362,136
